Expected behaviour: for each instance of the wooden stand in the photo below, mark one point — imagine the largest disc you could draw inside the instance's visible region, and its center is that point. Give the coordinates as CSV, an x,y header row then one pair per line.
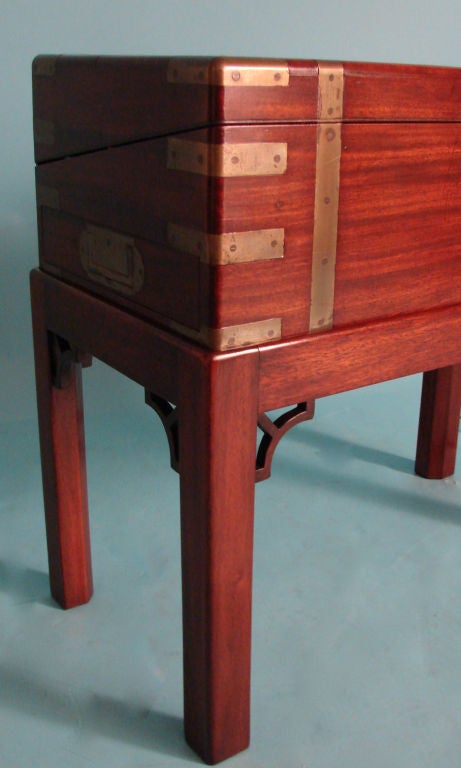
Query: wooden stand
x,y
219,399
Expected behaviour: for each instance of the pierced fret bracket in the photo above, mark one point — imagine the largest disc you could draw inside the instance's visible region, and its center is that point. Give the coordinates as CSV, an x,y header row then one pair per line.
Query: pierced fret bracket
x,y
63,355
169,418
274,431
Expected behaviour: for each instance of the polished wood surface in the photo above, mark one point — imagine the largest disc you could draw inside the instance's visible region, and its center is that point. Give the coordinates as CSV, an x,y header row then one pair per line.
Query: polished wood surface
x,y
62,447
217,448
116,100
219,399
108,135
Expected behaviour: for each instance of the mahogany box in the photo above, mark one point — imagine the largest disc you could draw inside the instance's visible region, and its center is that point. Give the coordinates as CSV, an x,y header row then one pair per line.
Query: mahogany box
x,y
242,201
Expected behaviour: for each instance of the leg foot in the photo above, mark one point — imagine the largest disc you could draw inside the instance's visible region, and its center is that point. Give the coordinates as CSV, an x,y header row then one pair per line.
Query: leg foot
x,y
62,447
439,422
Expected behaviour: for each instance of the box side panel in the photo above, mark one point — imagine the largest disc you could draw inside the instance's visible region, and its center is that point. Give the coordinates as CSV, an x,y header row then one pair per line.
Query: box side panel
x,y
103,219
399,244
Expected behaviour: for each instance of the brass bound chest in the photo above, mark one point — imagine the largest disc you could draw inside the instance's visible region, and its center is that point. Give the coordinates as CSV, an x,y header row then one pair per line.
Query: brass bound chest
x,y
244,201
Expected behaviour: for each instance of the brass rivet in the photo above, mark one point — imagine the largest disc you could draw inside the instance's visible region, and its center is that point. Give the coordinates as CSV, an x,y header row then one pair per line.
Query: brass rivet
x,y
235,75
200,159
324,261
321,321
233,248
277,76
277,158
274,243
326,200
330,110
331,77
231,341
330,134
235,159
270,333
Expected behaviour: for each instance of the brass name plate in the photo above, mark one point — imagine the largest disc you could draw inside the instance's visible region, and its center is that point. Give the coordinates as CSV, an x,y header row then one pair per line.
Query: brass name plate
x,y
326,207
229,247
111,259
227,160
229,72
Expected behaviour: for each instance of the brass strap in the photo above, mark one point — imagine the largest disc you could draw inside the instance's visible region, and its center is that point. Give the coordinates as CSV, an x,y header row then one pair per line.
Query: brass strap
x,y
326,208
229,72
227,160
243,335
228,247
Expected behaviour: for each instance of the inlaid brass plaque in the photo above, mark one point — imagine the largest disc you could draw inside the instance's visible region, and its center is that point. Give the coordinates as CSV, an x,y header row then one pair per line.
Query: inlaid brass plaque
x,y
111,259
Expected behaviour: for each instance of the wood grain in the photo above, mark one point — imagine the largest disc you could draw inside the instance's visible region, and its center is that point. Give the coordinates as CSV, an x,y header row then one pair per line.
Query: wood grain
x,y
324,364
217,445
90,102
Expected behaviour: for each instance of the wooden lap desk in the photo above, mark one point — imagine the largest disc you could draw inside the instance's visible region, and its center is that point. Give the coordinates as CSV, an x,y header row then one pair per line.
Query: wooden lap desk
x,y
237,236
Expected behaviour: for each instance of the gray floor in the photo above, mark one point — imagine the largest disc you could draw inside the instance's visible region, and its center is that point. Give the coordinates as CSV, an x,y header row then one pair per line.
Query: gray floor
x,y
357,608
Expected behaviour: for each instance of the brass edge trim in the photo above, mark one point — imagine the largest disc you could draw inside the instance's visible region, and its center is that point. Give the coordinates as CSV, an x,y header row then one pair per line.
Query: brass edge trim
x,y
111,259
47,196
244,335
229,247
229,73
227,160
44,66
326,206
44,131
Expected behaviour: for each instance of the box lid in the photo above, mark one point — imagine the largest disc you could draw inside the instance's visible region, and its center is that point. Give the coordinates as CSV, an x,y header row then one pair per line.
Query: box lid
x,y
85,103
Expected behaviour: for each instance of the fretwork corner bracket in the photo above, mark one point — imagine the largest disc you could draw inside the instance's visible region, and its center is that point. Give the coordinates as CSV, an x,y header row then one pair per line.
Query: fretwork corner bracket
x,y
63,355
273,431
169,418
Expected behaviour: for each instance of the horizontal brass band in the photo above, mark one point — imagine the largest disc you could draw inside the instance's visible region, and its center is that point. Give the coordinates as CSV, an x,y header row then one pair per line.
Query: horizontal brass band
x,y
227,160
237,336
229,247
238,72
326,207
111,259
44,131
48,196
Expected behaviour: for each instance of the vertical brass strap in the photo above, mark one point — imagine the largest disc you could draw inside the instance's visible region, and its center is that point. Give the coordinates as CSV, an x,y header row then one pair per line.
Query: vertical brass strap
x,y
326,207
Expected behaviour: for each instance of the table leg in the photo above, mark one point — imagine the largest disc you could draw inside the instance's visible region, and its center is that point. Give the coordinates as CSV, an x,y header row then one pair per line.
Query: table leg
x,y
62,447
439,422
217,415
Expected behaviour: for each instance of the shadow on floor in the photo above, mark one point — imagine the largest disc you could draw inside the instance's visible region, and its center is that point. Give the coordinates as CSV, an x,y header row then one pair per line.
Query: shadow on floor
x,y
418,499
103,715
25,585
337,445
